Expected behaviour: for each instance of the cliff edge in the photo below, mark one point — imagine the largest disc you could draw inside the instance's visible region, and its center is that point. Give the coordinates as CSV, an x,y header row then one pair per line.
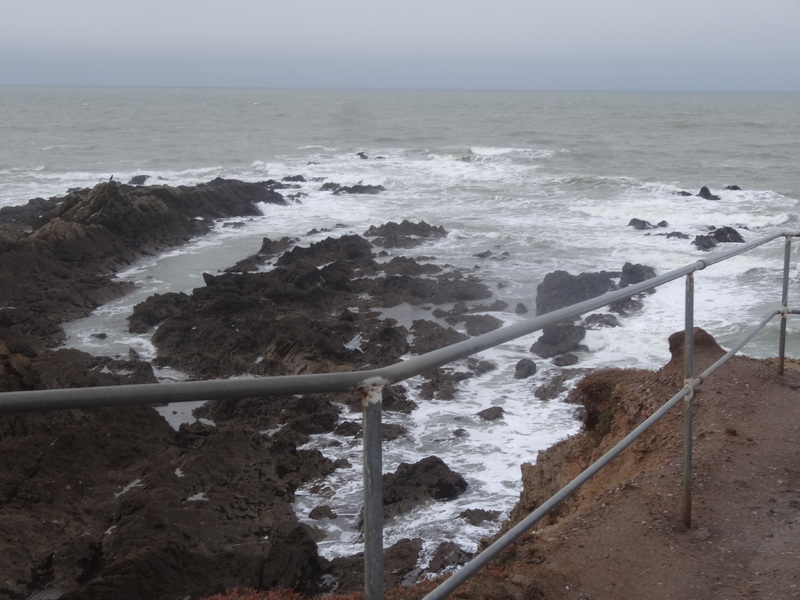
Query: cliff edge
x,y
621,537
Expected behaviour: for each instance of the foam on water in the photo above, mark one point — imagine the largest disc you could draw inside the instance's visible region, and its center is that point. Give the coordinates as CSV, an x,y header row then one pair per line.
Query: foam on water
x,y
553,187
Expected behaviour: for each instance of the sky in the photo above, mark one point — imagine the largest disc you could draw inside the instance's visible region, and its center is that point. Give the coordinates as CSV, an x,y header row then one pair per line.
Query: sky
x,y
703,45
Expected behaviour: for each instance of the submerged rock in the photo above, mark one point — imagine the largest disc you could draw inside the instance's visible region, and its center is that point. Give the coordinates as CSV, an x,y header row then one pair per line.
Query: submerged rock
x,y
719,235
706,194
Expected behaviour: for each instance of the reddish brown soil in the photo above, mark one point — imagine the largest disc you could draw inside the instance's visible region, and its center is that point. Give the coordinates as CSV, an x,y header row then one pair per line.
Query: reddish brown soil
x,y
623,538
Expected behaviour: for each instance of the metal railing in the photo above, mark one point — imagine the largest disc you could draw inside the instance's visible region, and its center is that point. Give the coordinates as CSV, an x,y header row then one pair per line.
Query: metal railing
x,y
370,384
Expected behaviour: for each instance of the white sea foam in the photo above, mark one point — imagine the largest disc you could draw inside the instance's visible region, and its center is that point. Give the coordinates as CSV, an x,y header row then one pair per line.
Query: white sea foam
x,y
541,189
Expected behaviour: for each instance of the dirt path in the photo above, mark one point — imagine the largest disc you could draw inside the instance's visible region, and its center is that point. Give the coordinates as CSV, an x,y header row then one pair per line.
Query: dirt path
x,y
623,538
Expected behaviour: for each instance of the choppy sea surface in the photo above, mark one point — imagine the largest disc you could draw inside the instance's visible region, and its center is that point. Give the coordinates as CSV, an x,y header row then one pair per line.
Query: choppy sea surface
x,y
541,180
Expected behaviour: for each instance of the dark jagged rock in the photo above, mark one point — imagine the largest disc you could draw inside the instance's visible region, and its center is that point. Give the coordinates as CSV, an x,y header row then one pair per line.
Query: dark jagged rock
x,y
307,414
152,513
359,189
476,516
479,324
735,188
173,512
348,247
560,289
399,562
322,512
479,367
395,399
728,234
525,368
30,216
626,306
155,309
704,242
402,265
138,179
553,387
23,369
161,216
632,274
403,235
719,235
447,555
62,269
296,318
429,336
423,290
406,228
10,238
706,194
492,414
387,344
678,234
269,248
640,224
160,514
596,320
389,431
441,384
413,484
558,339
565,360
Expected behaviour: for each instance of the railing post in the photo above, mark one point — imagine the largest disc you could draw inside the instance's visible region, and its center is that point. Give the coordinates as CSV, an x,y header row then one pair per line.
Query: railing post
x,y
688,371
787,251
372,401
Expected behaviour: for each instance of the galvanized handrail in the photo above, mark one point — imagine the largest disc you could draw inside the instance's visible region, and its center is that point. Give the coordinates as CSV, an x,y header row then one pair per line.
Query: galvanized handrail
x,y
371,382
686,393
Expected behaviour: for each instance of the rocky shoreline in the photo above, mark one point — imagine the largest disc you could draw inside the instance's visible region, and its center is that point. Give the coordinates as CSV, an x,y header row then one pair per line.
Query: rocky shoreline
x,y
114,503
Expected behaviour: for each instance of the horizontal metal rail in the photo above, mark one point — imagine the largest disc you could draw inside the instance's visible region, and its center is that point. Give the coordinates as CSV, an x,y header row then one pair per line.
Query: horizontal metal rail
x,y
188,391
493,551
371,382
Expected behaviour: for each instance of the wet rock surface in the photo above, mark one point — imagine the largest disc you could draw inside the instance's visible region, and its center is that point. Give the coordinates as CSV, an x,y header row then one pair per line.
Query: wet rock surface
x,y
560,289
311,313
114,503
719,235
60,254
413,484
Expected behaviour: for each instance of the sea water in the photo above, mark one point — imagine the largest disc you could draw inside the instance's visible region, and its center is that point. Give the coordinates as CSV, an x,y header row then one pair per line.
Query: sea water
x,y
543,181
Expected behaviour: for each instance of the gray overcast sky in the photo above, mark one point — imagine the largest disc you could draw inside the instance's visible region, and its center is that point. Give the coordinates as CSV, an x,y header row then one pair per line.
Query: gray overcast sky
x,y
438,44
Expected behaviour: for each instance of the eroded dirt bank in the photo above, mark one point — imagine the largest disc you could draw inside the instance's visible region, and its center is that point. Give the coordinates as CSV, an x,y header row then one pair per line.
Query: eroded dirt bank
x,y
622,537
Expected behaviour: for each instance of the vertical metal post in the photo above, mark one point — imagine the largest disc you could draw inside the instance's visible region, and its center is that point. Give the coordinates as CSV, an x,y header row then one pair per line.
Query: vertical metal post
x,y
688,370
372,401
787,251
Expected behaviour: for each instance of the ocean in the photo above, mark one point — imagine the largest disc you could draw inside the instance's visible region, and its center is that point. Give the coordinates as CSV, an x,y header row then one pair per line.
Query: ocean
x,y
525,183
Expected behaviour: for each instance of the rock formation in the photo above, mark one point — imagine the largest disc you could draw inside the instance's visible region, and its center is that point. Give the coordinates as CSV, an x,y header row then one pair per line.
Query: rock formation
x,y
114,503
